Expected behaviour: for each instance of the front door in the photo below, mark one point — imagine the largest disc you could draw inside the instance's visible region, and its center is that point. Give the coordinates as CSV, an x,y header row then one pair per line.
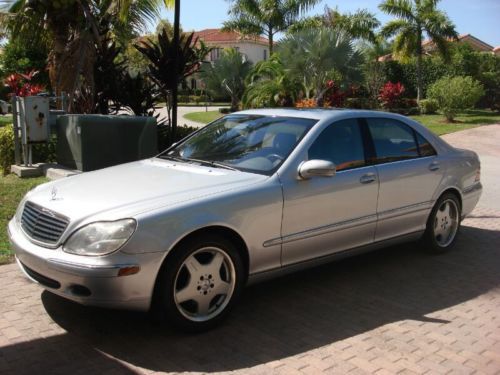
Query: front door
x,y
324,215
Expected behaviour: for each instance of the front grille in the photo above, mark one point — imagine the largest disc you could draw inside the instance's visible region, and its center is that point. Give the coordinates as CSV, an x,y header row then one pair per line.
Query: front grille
x,y
42,225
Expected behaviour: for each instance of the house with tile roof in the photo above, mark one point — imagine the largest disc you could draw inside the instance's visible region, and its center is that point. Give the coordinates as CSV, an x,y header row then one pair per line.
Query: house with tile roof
x,y
255,48
430,48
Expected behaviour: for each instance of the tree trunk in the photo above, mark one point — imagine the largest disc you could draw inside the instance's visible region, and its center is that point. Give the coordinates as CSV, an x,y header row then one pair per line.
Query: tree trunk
x,y
419,66
271,42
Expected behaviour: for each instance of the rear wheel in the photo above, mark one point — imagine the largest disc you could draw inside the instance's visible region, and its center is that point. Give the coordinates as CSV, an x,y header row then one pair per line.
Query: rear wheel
x,y
200,283
443,224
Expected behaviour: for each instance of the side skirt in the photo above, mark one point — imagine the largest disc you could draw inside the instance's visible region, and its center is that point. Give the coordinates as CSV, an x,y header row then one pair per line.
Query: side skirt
x,y
282,271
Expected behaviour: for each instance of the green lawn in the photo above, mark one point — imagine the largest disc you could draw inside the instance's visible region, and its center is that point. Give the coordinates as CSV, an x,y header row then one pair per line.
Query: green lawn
x,y
4,120
12,189
467,120
203,117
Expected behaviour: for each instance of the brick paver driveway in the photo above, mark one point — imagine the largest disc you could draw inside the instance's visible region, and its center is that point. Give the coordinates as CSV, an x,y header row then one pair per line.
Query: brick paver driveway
x,y
395,310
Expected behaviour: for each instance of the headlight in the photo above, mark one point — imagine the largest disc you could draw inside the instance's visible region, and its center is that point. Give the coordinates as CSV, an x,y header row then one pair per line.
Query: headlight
x,y
100,238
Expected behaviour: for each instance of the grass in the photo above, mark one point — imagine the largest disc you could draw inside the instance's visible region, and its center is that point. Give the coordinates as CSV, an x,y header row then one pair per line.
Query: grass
x,y
4,120
467,120
203,117
12,189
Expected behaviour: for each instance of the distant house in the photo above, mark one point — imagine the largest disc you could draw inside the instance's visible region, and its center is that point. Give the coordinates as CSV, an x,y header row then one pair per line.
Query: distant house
x,y
429,47
255,48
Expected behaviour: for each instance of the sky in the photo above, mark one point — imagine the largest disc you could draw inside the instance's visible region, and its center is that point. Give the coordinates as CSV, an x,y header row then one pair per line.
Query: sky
x,y
480,18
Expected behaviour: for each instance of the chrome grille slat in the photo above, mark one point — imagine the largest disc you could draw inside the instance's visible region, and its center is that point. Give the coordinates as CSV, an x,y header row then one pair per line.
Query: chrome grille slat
x,y
42,225
33,214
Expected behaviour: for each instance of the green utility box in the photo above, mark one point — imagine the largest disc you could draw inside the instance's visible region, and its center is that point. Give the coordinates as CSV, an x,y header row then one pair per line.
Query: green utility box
x,y
90,142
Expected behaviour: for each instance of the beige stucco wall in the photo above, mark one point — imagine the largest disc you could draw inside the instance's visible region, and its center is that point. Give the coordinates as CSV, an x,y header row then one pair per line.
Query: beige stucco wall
x,y
253,51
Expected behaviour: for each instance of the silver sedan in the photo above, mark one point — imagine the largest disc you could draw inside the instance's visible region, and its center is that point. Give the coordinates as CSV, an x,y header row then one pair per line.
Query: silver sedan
x,y
250,196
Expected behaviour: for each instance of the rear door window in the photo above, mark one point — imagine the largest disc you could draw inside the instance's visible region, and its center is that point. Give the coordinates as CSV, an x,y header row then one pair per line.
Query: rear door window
x,y
393,140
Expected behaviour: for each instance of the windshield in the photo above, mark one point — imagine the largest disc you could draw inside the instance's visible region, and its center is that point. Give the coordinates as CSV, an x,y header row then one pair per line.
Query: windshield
x,y
251,143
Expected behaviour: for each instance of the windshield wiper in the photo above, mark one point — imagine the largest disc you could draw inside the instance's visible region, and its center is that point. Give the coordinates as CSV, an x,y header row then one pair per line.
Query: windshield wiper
x,y
202,162
210,163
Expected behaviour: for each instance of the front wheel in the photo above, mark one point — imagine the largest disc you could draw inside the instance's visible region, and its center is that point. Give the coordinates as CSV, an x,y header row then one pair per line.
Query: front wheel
x,y
200,282
443,224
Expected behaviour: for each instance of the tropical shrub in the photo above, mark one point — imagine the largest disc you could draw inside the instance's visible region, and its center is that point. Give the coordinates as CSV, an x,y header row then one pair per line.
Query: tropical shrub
x,y
455,94
6,148
269,84
428,106
227,76
391,95
160,54
306,103
314,57
22,84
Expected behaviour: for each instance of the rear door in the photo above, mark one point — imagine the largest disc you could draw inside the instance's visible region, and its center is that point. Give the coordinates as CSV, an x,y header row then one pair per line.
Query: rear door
x,y
409,173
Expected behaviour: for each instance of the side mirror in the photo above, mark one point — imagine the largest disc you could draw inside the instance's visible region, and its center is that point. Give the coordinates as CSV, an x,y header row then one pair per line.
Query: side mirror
x,y
312,168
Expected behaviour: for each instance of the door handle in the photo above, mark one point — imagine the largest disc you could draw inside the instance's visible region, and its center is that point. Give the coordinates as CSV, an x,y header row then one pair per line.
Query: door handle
x,y
434,166
367,178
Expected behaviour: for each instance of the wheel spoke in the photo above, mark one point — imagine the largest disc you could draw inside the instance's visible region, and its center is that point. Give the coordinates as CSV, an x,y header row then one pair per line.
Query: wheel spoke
x,y
214,266
186,294
193,266
203,304
446,209
221,287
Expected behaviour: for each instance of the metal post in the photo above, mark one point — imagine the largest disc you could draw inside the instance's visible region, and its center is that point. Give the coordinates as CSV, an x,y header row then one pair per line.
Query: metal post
x,y
15,125
176,67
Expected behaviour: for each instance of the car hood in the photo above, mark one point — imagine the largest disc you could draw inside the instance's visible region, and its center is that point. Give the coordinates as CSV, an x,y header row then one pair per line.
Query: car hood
x,y
136,187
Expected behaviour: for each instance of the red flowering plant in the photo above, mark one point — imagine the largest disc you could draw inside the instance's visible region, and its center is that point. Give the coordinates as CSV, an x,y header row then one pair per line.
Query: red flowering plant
x,y
334,97
391,95
21,84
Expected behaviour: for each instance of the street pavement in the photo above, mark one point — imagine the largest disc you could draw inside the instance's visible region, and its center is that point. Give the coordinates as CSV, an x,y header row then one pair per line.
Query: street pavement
x,y
397,310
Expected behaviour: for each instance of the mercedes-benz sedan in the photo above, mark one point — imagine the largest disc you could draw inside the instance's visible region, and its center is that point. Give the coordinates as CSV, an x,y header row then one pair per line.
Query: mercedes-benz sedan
x,y
251,195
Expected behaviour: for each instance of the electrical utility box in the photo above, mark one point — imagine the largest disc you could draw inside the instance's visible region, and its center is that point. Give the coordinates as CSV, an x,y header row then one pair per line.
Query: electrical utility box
x,y
90,142
34,116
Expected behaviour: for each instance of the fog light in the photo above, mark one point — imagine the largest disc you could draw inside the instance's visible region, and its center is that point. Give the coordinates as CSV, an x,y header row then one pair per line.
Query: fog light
x,y
126,271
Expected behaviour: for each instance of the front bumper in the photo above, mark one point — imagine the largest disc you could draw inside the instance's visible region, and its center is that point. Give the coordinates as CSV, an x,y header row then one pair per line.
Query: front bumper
x,y
88,280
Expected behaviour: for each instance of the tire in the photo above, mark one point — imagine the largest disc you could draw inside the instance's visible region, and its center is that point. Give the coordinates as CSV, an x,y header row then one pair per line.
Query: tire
x,y
199,283
443,225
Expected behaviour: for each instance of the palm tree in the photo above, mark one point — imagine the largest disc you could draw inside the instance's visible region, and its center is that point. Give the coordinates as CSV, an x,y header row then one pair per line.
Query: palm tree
x,y
317,56
76,28
265,17
414,19
227,75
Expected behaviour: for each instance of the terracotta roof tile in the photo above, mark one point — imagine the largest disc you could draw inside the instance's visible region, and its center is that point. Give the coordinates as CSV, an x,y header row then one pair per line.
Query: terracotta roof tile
x,y
218,36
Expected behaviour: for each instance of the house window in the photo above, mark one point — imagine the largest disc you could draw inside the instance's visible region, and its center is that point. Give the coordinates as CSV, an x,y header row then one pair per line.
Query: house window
x,y
193,84
215,54
265,54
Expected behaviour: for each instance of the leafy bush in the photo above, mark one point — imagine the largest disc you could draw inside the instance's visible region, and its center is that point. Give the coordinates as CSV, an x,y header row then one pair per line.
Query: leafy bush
x,y
358,103
391,95
6,148
165,138
428,106
455,94
306,103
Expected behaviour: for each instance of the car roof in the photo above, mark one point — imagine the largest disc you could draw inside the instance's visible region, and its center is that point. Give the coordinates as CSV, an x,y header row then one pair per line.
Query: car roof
x,y
318,113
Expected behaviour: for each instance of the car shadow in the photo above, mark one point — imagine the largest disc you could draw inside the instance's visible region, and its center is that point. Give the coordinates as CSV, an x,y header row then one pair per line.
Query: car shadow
x,y
290,315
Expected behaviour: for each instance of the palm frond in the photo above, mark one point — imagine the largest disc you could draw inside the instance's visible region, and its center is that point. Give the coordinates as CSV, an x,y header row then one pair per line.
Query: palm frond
x,y
398,8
